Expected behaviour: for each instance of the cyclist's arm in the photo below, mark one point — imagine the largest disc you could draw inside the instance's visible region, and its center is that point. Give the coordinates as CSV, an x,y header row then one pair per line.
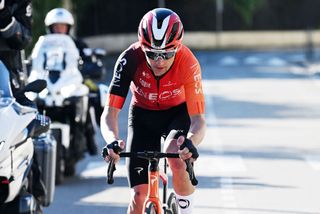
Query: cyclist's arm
x,y
194,98
197,129
109,124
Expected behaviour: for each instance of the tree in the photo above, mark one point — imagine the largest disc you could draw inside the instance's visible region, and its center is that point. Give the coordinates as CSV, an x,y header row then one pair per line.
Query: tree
x,y
246,8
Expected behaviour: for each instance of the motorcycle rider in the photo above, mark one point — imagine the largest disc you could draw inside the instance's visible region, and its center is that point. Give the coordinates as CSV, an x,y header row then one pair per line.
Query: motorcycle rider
x,y
15,35
60,20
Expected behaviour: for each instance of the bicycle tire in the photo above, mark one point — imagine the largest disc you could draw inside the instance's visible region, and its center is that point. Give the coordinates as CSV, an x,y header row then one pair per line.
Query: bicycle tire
x,y
150,208
172,203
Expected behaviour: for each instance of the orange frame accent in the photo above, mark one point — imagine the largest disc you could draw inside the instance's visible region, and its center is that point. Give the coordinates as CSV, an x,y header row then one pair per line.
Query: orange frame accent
x,y
153,191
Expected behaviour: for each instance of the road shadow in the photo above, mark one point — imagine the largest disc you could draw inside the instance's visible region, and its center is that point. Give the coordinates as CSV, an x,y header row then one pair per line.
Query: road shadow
x,y
73,194
216,209
262,152
226,108
222,65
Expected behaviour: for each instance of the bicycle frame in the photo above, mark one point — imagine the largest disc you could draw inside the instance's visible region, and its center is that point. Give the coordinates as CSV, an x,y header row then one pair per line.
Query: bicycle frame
x,y
153,175
153,186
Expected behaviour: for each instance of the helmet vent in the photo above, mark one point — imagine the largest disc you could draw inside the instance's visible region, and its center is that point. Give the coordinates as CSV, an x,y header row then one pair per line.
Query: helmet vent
x,y
173,32
145,34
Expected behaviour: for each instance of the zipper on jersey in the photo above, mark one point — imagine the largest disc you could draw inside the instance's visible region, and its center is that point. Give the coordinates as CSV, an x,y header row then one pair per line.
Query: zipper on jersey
x,y
158,90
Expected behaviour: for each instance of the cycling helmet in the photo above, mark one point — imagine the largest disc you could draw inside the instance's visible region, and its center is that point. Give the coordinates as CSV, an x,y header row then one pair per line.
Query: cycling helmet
x,y
58,15
160,29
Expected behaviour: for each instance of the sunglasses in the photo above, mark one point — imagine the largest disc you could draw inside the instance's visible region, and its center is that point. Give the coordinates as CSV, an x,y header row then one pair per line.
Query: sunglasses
x,y
164,55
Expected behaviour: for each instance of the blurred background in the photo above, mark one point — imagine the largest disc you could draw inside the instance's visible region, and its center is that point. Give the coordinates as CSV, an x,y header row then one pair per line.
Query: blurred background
x,y
210,24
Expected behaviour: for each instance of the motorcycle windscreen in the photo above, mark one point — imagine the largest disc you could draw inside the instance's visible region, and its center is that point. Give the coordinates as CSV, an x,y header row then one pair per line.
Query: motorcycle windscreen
x,y
5,88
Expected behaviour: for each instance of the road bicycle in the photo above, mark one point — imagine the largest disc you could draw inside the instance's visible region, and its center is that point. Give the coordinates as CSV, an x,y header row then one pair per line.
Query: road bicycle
x,y
153,204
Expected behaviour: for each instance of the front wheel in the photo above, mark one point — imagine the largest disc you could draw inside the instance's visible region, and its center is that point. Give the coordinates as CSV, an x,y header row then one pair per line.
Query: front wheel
x,y
172,204
150,208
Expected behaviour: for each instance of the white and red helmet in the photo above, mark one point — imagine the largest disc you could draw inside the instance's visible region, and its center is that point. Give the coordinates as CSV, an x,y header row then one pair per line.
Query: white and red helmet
x,y
160,29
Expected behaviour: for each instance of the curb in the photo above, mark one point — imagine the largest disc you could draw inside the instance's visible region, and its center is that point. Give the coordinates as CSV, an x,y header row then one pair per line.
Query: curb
x,y
224,40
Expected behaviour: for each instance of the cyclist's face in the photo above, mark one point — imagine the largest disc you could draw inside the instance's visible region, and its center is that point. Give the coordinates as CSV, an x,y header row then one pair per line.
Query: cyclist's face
x,y
60,28
159,63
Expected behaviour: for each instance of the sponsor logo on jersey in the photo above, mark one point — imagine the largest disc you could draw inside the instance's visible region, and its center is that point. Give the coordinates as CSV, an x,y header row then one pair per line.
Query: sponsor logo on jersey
x,y
169,83
117,73
145,83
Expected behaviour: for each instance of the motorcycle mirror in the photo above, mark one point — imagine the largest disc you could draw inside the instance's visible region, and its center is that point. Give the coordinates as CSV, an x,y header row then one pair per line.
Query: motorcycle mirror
x,y
100,52
87,51
36,86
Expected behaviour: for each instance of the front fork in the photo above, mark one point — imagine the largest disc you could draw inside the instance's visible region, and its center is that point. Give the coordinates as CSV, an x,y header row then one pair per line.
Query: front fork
x,y
153,186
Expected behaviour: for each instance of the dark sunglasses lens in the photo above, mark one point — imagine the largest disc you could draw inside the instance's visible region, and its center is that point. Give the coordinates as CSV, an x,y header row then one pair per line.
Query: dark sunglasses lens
x,y
151,55
169,55
154,56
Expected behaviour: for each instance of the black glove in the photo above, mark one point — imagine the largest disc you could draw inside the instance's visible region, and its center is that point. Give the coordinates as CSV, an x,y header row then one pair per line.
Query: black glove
x,y
5,15
115,146
188,143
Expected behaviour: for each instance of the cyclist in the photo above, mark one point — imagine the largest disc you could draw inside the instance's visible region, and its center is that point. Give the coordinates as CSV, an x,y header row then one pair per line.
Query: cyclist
x,y
60,21
167,98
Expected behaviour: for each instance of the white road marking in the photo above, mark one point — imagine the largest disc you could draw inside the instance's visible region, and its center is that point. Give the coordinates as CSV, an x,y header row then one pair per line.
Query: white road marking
x,y
313,161
252,60
275,61
229,61
98,169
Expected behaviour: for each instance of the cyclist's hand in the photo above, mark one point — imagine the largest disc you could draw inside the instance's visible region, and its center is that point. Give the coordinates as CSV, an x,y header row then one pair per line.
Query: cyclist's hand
x,y
111,151
186,149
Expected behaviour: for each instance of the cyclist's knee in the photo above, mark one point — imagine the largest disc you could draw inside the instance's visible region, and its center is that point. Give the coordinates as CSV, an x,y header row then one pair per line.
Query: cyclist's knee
x,y
139,194
171,146
139,197
174,163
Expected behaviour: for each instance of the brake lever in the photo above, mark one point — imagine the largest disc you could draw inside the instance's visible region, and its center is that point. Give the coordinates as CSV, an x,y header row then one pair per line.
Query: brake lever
x,y
111,169
190,171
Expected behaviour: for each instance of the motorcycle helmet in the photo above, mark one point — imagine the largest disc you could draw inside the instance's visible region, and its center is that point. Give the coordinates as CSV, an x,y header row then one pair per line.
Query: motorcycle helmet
x,y
160,29
58,15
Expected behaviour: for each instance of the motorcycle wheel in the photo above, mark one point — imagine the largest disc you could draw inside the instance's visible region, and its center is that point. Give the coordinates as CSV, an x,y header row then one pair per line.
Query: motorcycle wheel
x,y
60,161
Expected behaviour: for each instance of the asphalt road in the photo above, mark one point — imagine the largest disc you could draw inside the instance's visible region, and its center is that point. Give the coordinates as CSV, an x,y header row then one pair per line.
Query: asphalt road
x,y
261,153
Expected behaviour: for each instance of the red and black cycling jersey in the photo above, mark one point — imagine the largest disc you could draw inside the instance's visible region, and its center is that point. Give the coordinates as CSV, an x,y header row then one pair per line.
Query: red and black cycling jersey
x,y
181,83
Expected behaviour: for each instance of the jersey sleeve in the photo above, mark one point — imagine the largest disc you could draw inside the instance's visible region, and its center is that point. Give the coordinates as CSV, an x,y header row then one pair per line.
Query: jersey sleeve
x,y
193,85
122,76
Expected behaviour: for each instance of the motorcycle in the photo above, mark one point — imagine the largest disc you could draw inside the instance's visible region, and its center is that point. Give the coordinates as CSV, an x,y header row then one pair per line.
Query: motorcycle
x,y
55,59
93,71
22,132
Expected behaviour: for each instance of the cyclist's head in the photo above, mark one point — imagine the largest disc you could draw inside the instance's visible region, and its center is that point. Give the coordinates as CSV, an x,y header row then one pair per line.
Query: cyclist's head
x,y
160,29
59,20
